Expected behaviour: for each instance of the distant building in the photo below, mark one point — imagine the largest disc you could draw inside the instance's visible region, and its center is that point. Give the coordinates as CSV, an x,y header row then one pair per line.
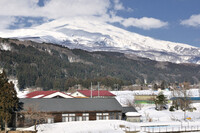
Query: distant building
x,y
70,109
144,99
47,94
94,94
192,99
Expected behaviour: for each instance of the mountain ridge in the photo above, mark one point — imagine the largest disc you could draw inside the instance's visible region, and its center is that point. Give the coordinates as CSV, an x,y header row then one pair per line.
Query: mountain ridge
x,y
53,66
93,35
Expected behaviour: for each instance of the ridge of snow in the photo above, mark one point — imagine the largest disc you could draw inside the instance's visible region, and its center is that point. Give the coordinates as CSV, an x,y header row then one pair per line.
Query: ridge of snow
x,y
4,46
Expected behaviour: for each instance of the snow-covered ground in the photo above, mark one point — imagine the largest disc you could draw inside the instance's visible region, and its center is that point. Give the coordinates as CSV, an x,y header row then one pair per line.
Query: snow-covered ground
x,y
101,126
124,97
116,126
150,114
20,94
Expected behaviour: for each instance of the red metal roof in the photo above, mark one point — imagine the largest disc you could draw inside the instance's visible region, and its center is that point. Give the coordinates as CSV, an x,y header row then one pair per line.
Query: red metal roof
x,y
41,94
95,93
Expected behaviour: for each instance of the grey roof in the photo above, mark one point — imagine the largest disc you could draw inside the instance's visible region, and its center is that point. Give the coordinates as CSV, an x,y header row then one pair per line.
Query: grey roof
x,y
128,109
71,104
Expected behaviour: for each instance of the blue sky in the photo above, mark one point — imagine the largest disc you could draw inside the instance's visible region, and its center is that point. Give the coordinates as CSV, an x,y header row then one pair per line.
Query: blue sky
x,y
171,20
171,11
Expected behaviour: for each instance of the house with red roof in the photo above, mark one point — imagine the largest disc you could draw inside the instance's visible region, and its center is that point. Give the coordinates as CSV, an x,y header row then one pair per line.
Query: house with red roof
x,y
47,94
93,94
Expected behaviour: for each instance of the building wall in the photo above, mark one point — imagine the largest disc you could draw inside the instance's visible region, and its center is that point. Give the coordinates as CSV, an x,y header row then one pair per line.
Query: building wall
x,y
24,120
133,119
78,94
144,99
88,116
57,117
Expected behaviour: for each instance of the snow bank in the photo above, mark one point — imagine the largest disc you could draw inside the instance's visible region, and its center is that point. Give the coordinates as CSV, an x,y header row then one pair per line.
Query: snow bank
x,y
133,114
112,126
5,47
101,126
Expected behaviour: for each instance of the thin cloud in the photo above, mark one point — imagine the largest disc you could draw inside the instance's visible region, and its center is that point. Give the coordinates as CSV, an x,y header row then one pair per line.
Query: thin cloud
x,y
193,21
118,5
144,23
5,21
104,10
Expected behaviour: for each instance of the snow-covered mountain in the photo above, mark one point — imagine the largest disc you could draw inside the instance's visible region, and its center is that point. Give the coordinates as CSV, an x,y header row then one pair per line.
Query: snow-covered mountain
x,y
94,35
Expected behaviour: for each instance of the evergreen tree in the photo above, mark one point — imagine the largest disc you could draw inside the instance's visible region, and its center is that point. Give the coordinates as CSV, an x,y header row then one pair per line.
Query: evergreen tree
x,y
8,99
160,101
162,86
155,87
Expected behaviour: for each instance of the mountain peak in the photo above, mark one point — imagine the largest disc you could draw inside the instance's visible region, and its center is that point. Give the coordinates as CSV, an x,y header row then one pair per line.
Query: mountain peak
x,y
94,35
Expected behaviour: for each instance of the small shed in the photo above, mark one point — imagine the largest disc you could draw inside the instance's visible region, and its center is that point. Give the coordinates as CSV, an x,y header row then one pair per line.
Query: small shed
x,y
133,117
127,109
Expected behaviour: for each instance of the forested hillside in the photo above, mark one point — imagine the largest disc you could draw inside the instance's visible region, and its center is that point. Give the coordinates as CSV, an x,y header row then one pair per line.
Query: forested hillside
x,y
52,66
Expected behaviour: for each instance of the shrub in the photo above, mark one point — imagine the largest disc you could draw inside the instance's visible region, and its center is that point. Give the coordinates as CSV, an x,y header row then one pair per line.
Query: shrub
x,y
172,108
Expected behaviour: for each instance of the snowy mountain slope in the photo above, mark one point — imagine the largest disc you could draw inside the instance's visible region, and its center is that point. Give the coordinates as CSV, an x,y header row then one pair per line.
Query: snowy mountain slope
x,y
94,35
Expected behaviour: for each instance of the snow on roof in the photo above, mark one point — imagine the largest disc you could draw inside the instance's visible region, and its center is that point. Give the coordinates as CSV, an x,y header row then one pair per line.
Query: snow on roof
x,y
133,114
43,94
95,93
38,96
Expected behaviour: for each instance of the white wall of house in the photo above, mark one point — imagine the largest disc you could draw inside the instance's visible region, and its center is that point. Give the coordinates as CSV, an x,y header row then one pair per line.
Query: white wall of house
x,y
133,117
77,94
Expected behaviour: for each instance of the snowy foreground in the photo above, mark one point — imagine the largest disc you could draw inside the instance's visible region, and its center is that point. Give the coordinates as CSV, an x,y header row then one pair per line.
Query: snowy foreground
x,y
115,126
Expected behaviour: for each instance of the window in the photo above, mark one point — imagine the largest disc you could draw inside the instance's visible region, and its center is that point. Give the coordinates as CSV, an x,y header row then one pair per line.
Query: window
x,y
68,117
85,117
65,117
78,118
50,120
112,115
102,116
72,117
118,116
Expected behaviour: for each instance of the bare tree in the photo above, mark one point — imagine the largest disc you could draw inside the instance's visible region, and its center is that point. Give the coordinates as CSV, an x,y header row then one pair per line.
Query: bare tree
x,y
35,116
182,95
147,117
131,103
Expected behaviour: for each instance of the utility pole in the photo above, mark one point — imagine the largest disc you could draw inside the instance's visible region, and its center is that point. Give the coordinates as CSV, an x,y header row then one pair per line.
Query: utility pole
x,y
91,91
98,89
